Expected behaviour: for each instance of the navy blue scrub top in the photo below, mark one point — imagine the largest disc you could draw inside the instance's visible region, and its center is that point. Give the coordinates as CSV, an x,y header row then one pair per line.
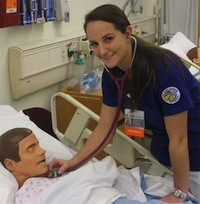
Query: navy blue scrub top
x,y
171,94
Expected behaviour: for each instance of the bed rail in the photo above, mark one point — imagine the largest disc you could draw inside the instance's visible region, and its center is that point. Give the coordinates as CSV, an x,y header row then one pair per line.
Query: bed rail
x,y
122,149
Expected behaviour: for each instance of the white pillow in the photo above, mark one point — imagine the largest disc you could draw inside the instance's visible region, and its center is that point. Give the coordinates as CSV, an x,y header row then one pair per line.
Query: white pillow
x,y
8,186
6,110
179,44
10,118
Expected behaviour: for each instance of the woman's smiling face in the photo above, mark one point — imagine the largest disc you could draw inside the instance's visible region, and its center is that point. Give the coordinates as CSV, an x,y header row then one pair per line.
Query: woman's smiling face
x,y
110,45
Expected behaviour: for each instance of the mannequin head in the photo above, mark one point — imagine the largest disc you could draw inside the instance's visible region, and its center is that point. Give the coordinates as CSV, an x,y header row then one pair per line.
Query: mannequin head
x,y
21,154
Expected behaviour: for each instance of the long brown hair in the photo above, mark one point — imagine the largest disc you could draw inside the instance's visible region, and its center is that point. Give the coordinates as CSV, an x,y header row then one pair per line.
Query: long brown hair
x,y
108,13
145,62
144,68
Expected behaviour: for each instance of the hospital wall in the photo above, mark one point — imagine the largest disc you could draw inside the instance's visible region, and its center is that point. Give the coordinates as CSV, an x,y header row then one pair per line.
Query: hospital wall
x,y
15,35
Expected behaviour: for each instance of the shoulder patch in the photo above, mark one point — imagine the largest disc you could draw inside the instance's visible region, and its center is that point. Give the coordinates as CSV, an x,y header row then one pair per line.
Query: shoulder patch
x,y
171,95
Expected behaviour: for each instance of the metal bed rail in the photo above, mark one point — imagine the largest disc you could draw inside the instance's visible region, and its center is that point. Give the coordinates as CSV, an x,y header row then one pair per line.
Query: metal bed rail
x,y
123,147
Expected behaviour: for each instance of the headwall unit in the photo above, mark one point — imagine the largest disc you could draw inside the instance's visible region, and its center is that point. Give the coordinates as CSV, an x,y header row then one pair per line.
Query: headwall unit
x,y
36,65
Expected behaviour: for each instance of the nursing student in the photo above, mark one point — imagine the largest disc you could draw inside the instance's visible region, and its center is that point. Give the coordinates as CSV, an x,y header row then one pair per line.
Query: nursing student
x,y
155,86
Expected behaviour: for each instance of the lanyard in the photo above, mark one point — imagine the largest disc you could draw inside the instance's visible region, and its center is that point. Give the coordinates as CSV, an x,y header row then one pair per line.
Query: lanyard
x,y
115,120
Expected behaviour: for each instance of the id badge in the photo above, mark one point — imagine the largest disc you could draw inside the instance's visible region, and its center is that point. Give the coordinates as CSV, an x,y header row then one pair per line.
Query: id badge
x,y
134,123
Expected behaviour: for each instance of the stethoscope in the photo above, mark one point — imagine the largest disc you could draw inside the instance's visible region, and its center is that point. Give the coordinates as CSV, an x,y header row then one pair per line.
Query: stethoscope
x,y
119,81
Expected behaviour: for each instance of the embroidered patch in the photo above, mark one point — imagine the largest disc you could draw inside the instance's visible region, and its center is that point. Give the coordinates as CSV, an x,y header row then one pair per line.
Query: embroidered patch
x,y
171,95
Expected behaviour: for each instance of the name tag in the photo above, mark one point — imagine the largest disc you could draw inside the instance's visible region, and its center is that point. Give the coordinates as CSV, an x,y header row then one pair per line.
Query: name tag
x,y
134,123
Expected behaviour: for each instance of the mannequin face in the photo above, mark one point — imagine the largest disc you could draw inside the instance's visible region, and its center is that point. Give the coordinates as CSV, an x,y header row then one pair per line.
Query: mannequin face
x,y
32,157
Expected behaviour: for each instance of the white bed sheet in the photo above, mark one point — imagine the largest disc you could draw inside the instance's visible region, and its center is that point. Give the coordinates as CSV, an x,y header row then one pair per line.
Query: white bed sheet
x,y
101,182
9,118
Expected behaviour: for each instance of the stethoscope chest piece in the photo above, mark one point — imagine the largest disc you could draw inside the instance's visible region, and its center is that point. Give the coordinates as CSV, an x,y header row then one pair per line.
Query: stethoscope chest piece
x,y
55,173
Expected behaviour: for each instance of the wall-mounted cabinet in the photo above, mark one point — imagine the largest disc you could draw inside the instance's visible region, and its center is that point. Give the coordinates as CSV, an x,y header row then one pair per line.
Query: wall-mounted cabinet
x,y
36,65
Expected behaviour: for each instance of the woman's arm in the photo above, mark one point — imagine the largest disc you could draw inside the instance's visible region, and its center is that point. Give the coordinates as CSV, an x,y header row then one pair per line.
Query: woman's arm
x,y
106,119
177,130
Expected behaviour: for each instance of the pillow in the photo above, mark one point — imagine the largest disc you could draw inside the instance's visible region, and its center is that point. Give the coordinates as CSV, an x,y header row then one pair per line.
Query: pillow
x,y
8,186
10,118
179,44
6,110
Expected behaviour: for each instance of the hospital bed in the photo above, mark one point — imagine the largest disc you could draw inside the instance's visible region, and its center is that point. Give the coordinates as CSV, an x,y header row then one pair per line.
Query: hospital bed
x,y
141,188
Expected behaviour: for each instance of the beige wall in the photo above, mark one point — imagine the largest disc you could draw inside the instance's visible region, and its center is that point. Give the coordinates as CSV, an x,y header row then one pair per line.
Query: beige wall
x,y
199,24
29,33
25,34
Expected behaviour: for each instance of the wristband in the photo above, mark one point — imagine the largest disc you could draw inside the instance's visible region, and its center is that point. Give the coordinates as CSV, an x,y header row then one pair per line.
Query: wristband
x,y
179,194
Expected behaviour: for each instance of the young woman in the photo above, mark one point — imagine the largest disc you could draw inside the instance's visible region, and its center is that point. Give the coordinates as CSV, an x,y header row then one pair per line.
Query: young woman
x,y
157,88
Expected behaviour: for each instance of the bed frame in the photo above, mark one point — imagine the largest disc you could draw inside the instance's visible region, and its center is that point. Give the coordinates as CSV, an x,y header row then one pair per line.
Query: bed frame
x,y
123,149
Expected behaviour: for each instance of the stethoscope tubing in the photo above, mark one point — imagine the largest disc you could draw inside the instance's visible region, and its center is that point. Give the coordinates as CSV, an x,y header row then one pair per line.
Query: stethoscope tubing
x,y
114,123
120,88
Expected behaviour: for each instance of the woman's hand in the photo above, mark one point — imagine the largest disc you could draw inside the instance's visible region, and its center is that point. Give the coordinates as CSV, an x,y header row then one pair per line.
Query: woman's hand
x,y
63,165
171,198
